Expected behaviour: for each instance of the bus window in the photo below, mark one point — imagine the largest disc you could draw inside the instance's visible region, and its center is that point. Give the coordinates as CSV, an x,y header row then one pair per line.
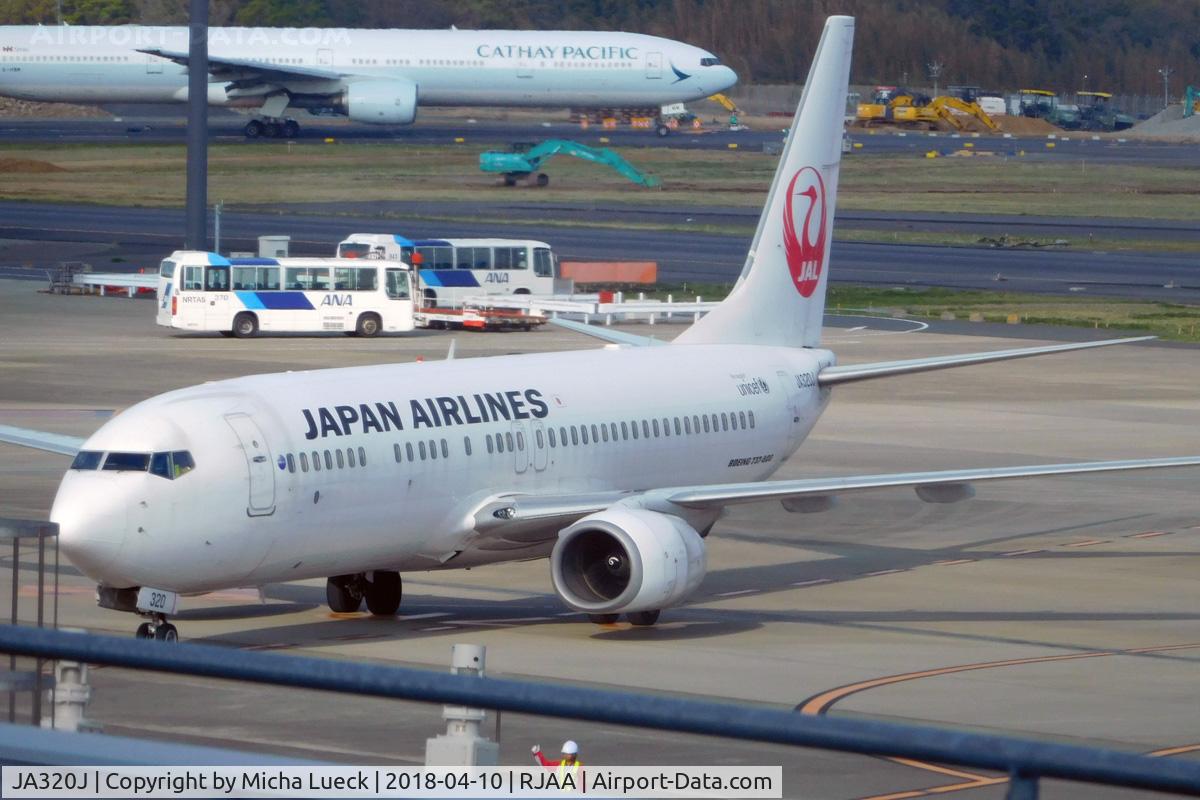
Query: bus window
x,y
397,284
353,250
503,258
193,278
319,278
483,257
543,264
296,277
245,278
268,278
368,279
520,258
167,270
464,257
437,257
354,279
216,279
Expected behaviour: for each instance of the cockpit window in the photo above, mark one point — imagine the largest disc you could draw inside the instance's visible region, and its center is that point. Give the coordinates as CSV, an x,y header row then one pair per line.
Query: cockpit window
x,y
127,462
711,61
87,459
171,465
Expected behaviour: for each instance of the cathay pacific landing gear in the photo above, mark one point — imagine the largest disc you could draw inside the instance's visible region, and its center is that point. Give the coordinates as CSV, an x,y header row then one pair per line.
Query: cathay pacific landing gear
x,y
158,628
272,128
382,589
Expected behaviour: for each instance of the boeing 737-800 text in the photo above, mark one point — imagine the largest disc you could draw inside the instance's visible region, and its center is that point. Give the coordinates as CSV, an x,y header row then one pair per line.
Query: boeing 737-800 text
x,y
615,463
372,76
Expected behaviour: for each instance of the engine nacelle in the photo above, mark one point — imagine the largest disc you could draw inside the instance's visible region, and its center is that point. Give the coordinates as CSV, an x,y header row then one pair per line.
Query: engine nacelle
x,y
627,559
381,102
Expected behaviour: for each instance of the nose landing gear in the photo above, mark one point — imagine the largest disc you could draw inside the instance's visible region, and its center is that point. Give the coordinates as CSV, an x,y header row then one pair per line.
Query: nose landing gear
x,y
158,628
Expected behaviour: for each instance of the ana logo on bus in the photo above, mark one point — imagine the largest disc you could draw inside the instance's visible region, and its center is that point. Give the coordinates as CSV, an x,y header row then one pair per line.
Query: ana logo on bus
x,y
804,229
497,277
337,300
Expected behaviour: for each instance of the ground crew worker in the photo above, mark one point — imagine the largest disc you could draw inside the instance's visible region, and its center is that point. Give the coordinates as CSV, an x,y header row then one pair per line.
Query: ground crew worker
x,y
568,764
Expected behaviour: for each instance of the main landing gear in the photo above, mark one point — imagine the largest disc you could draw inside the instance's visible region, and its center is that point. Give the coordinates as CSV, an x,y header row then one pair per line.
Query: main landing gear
x,y
639,618
158,628
382,589
272,128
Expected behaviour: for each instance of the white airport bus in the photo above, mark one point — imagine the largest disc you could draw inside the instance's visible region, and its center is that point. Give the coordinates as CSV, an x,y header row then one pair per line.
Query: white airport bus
x,y
452,269
200,291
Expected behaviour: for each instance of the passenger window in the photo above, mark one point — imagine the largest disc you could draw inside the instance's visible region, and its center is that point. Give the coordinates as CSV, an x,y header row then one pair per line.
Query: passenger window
x,y
316,461
396,451
320,279
432,449
724,421
655,421
421,448
328,460
350,456
488,439
408,451
634,425
87,460
624,430
362,457
303,462
612,426
604,432
687,426
193,279
574,435
216,279
553,438
291,463
583,433
678,432
541,442
742,419
445,449
341,460
645,429
666,427
750,415
705,418
520,441
467,444
508,441
696,423
715,423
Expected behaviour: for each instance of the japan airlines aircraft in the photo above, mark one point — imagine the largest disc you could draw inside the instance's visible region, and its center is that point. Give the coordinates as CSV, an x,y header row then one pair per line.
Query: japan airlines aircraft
x,y
373,76
615,462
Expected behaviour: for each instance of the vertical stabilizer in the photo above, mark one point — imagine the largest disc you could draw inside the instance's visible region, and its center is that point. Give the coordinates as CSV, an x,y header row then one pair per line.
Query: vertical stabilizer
x,y
780,297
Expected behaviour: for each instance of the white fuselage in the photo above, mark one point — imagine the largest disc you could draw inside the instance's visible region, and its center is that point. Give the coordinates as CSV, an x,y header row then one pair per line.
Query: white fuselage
x,y
245,516
449,67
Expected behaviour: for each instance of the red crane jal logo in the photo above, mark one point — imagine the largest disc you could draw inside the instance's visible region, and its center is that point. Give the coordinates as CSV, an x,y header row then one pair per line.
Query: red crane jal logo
x,y
804,229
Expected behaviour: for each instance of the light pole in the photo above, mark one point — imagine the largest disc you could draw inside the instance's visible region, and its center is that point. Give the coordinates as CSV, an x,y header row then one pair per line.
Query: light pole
x,y
935,72
1166,72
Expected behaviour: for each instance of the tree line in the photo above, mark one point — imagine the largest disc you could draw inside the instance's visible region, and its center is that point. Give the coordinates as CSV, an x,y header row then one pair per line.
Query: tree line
x,y
1065,45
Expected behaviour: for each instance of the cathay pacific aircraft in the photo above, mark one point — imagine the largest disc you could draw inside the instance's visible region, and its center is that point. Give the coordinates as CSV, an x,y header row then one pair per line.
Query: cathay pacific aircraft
x,y
372,76
615,463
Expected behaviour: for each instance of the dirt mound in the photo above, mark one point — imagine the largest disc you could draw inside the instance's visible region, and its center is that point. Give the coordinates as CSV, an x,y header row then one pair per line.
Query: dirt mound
x,y
11,107
30,165
1024,126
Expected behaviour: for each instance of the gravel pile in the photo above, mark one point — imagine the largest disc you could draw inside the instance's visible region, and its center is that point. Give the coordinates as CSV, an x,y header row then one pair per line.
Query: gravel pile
x,y
1169,124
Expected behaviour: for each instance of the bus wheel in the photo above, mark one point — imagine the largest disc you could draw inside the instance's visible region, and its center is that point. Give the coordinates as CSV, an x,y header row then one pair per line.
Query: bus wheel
x,y
245,325
368,325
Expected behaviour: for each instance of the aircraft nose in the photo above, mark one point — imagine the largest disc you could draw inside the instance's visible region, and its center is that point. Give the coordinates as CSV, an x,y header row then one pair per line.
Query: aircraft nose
x,y
92,522
725,78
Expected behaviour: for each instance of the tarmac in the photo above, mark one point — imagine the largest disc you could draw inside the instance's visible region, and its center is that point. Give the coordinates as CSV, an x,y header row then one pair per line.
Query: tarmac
x,y
1063,609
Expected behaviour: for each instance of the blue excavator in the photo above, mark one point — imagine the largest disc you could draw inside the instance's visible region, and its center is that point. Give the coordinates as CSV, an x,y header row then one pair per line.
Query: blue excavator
x,y
525,161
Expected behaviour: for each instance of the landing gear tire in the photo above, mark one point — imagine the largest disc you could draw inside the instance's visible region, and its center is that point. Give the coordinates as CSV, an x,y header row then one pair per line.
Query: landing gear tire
x,y
603,619
383,592
272,130
158,629
643,618
245,326
291,129
145,631
344,593
368,326
166,633
253,129
662,130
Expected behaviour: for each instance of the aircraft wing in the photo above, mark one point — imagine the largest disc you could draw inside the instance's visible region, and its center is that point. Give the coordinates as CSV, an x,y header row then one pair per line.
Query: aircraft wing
x,y
831,376
607,334
40,440
248,71
524,519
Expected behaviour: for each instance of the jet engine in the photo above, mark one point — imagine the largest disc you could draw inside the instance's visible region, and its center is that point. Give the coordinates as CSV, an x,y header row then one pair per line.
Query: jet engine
x,y
381,102
626,560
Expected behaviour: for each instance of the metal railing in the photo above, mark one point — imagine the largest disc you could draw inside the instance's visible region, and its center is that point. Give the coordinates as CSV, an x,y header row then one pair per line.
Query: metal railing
x,y
1025,761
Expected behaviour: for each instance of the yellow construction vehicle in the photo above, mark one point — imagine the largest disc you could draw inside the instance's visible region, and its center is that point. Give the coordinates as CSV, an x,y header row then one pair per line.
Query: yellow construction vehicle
x,y
908,109
725,103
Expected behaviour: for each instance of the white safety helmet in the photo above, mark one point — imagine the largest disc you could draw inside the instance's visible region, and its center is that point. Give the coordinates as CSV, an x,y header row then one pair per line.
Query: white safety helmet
x,y
570,748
